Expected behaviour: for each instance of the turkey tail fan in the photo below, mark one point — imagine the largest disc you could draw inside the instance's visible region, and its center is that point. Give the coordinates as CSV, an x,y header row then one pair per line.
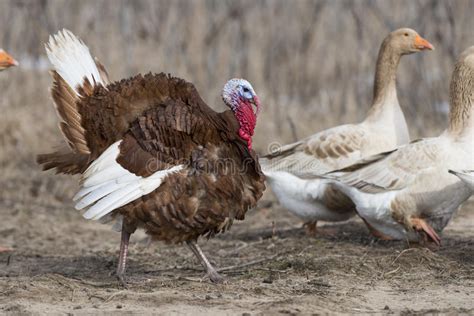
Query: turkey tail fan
x,y
75,75
72,60
64,161
65,102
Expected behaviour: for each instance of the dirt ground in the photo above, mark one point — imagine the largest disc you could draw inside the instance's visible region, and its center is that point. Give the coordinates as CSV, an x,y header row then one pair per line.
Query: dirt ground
x,y
307,80
63,264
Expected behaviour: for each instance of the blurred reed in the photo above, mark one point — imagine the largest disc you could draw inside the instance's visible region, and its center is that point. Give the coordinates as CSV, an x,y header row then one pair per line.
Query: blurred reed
x,y
311,62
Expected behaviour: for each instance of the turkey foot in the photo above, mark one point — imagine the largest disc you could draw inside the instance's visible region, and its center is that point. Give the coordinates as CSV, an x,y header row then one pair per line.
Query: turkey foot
x,y
213,275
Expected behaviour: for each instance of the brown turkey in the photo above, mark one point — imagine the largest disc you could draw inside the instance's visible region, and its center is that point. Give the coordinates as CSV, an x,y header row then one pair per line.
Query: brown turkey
x,y
151,153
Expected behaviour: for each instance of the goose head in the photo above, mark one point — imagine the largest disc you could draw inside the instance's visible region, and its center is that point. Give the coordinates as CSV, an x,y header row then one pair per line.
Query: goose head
x,y
6,61
408,41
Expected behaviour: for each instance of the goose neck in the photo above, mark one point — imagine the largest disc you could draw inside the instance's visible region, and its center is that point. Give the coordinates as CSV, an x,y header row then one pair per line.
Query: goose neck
x,y
386,74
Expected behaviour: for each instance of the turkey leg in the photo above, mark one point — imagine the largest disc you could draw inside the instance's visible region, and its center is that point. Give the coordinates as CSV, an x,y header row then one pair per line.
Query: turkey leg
x,y
211,272
123,256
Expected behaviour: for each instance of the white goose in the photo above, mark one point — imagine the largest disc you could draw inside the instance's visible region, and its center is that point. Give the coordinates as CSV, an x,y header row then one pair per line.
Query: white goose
x,y
384,129
409,191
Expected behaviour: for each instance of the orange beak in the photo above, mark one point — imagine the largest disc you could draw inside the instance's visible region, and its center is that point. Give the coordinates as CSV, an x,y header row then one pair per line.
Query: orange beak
x,y
422,44
6,60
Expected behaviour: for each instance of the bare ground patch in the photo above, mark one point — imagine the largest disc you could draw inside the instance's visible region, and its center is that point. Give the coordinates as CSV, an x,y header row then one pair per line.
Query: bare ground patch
x,y
64,264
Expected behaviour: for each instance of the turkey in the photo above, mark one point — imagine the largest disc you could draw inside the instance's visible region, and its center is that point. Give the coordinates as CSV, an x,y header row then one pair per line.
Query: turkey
x,y
408,194
6,61
383,129
151,153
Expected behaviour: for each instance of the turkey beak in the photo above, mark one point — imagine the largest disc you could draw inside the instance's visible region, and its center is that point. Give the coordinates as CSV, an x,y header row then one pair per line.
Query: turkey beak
x,y
422,44
255,101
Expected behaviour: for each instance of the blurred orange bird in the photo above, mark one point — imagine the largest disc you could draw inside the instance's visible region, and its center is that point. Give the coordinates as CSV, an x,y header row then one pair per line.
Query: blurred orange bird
x,y
6,61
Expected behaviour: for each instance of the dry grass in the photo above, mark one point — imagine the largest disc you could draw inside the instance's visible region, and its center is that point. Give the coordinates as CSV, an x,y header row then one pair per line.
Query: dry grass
x,y
312,62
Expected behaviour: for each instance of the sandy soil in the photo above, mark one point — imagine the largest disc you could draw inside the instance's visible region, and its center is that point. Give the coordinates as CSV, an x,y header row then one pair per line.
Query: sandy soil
x,y
63,264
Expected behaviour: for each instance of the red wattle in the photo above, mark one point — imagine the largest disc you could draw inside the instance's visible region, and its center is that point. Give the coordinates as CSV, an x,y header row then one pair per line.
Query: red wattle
x,y
247,120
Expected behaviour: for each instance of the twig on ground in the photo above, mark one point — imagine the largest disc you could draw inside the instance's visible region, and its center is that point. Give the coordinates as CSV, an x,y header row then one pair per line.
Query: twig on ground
x,y
238,249
304,250
391,272
400,254
275,270
198,280
108,299
110,284
239,266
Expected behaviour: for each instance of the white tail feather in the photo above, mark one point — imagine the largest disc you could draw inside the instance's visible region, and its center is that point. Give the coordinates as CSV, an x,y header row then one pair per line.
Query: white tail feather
x,y
99,193
100,164
84,191
113,200
72,60
110,173
107,185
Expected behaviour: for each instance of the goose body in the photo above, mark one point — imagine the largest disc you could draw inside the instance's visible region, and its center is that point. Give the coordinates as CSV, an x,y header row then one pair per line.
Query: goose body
x,y
149,150
292,171
411,182
317,199
408,194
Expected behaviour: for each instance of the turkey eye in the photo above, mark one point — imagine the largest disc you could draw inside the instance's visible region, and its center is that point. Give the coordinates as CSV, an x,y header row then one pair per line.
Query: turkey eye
x,y
246,89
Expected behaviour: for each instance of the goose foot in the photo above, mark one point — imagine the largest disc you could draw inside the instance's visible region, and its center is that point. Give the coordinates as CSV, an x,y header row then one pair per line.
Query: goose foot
x,y
5,249
311,228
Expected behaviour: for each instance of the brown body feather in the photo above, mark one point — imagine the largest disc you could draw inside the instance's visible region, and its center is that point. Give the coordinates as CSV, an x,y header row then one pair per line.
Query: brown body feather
x,y
163,122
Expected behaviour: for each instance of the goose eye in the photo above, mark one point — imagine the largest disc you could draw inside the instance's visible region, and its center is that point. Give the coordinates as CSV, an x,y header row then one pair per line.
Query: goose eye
x,y
406,34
